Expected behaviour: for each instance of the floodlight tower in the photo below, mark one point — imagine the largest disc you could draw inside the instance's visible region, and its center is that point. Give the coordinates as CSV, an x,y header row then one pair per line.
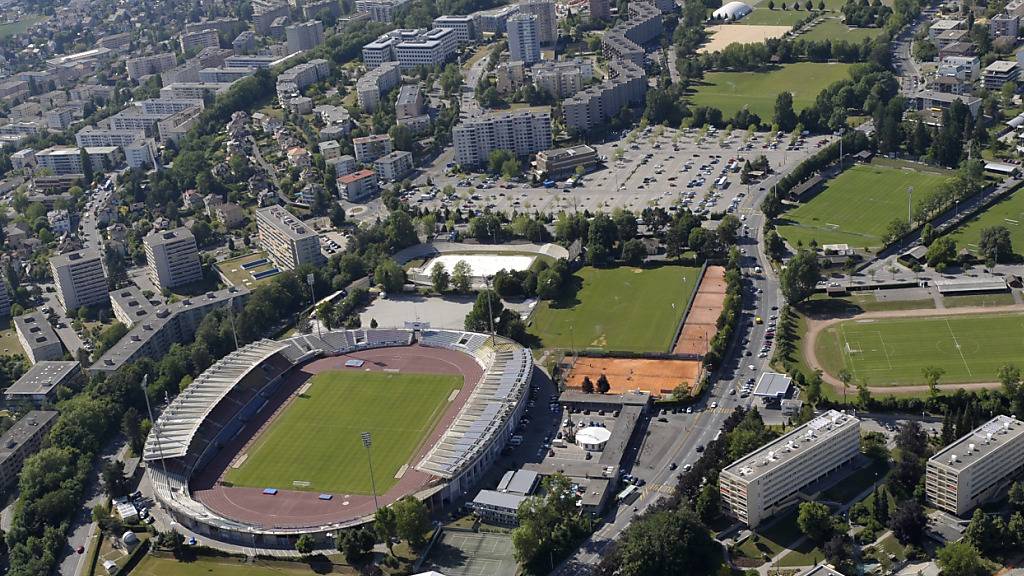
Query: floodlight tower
x,y
367,442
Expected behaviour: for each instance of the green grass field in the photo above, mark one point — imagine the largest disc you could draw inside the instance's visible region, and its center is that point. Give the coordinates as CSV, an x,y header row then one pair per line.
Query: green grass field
x,y
834,29
625,308
156,566
317,438
1008,213
12,28
857,206
892,352
762,16
733,91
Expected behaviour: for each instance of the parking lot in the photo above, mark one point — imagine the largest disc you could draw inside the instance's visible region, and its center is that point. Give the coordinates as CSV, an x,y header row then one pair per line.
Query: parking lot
x,y
665,167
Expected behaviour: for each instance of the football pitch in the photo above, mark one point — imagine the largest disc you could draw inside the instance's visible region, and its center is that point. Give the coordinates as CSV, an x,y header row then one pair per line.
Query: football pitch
x,y
892,351
315,443
625,308
857,206
730,92
1008,213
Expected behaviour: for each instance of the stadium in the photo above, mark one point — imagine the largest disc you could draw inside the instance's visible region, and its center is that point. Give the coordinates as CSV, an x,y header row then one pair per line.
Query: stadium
x,y
266,445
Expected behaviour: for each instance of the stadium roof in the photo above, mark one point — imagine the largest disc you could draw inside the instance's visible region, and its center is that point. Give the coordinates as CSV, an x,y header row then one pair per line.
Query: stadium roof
x,y
177,426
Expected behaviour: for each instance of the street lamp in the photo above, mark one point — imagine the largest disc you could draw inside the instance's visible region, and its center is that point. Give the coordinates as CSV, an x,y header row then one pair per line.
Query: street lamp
x,y
373,486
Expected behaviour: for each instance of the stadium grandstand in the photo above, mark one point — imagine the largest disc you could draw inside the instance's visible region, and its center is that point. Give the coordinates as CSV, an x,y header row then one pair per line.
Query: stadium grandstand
x,y
208,415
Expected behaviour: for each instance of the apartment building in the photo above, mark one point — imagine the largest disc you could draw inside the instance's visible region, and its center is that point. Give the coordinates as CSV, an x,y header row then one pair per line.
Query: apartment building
x,y
226,25
193,89
357,186
264,12
626,86
1000,72
67,160
600,9
977,468
1004,25
965,68
58,118
172,257
304,36
5,300
495,20
767,480
625,41
394,166
131,306
39,385
146,65
119,42
412,48
38,338
286,239
509,76
369,148
79,279
1015,7
21,441
299,77
942,26
525,131
244,43
524,38
375,83
196,41
562,79
409,102
547,19
380,10
344,164
464,27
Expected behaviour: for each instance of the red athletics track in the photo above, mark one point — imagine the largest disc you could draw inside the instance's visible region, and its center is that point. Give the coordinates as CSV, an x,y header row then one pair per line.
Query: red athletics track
x,y
297,509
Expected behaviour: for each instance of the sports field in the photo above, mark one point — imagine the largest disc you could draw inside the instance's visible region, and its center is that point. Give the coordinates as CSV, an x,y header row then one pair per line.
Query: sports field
x,y
316,440
1008,213
733,91
892,351
857,206
834,29
625,308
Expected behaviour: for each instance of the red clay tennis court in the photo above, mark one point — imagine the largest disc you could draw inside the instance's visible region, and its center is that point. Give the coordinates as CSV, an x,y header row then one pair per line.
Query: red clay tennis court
x,y
700,326
655,376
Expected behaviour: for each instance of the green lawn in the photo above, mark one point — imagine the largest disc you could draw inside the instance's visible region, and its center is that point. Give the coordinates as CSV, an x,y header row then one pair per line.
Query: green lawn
x,y
9,343
12,28
893,351
858,480
155,566
762,16
1008,213
960,300
833,29
857,206
625,308
733,91
317,438
232,269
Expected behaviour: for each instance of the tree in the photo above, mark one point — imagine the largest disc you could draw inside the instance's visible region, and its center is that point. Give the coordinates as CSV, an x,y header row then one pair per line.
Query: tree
x,y
587,386
996,245
941,253
898,228
665,543
389,275
412,521
114,483
784,115
356,545
440,278
462,276
634,252
800,277
774,245
385,522
497,158
932,375
986,532
816,522
1016,496
708,503
911,438
960,559
602,384
305,544
728,228
172,541
337,215
908,522
880,506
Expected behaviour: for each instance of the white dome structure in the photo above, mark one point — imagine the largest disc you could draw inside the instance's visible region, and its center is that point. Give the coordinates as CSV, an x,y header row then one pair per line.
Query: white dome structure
x,y
732,11
593,438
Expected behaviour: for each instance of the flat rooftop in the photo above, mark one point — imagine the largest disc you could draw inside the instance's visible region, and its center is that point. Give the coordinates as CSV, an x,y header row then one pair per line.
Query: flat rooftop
x,y
69,258
23,430
773,385
35,329
43,377
168,236
982,441
821,570
286,222
779,451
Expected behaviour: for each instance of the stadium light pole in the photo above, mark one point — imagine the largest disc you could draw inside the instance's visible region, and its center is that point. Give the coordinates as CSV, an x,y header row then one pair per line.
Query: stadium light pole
x,y
367,442
311,279
156,434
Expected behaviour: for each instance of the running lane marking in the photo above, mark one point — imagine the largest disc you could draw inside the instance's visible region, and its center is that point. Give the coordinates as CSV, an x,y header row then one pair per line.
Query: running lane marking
x,y
956,343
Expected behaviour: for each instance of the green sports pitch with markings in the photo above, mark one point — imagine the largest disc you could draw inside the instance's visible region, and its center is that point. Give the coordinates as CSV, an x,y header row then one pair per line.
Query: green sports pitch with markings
x,y
893,351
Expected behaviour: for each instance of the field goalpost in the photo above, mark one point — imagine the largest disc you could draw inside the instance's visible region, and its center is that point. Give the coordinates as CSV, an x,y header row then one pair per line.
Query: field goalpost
x,y
850,349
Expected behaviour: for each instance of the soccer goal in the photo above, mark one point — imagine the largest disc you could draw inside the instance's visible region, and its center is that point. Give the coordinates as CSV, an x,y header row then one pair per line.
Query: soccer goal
x,y
851,350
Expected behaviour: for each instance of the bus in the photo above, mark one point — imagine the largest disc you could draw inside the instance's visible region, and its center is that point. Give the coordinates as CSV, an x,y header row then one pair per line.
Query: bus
x,y
628,495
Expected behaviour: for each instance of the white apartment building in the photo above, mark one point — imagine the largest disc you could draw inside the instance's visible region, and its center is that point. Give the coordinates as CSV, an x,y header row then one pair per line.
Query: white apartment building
x,y
412,48
38,338
394,166
59,221
68,159
562,79
286,239
304,36
369,148
464,27
358,185
524,39
977,468
193,89
547,19
965,68
375,83
196,41
79,279
626,85
409,102
763,482
342,165
169,106
172,257
146,65
379,10
523,132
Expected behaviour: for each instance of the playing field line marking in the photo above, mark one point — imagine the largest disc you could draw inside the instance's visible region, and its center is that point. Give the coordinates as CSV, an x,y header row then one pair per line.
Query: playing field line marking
x,y
956,343
884,349
853,366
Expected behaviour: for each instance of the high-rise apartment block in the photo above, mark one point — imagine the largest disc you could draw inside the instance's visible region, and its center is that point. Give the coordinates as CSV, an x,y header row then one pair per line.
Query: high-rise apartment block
x,y
287,240
380,10
763,482
304,36
547,19
522,132
523,39
172,257
977,468
196,41
153,64
80,279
